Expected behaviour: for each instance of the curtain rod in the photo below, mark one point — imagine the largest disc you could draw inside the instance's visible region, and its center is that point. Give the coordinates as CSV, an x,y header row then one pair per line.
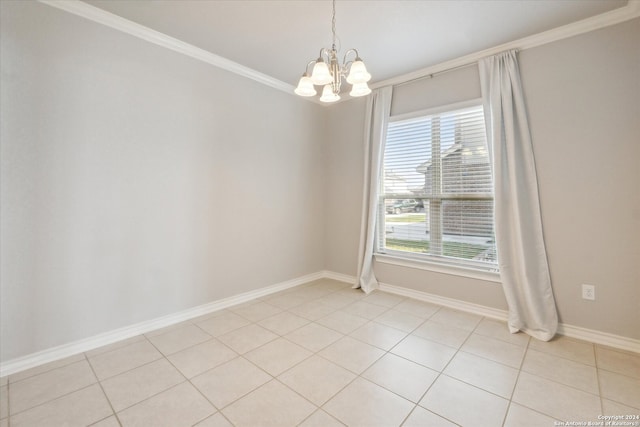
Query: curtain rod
x,y
603,20
446,70
432,75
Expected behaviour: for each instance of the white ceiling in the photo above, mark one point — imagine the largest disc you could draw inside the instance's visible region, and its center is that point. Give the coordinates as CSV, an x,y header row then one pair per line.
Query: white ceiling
x,y
394,37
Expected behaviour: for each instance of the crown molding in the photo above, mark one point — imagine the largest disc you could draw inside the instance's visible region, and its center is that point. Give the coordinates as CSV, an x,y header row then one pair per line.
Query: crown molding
x,y
95,14
116,22
613,17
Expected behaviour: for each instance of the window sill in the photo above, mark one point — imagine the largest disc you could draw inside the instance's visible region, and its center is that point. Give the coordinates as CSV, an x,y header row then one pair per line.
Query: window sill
x,y
472,273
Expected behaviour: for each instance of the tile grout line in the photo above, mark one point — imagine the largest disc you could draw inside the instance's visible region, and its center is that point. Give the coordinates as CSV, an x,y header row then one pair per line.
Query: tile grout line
x,y
187,380
135,367
548,379
146,364
190,320
440,372
318,409
563,384
563,357
599,369
103,392
344,310
340,390
45,371
458,350
515,383
52,400
8,403
96,355
291,367
358,375
313,353
98,381
239,355
595,358
242,355
176,330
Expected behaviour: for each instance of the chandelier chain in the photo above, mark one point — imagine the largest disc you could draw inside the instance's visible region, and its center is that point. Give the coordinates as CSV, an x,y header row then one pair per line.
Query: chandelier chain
x,y
329,72
333,24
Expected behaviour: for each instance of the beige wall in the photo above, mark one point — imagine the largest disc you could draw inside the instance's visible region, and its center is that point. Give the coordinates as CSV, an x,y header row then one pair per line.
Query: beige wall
x,y
583,98
442,89
137,182
344,173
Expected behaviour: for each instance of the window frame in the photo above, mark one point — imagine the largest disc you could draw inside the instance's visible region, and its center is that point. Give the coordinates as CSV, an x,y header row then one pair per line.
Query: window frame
x,y
440,264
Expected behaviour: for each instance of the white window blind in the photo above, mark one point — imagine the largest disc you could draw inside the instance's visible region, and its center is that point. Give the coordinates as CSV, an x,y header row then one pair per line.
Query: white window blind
x,y
437,197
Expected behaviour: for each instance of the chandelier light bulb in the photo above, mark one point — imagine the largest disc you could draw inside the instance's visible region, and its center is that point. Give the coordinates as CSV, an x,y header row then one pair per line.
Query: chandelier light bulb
x,y
358,73
329,72
305,87
328,95
360,89
321,74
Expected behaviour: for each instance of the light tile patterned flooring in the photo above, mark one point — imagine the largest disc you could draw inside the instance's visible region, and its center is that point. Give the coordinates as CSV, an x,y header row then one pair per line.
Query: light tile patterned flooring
x,y
327,355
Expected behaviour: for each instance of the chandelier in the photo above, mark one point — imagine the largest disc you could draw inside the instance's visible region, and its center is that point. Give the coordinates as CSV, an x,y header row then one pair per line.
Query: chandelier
x,y
328,72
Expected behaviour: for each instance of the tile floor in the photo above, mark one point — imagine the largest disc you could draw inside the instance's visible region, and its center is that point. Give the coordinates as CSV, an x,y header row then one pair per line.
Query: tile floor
x,y
326,355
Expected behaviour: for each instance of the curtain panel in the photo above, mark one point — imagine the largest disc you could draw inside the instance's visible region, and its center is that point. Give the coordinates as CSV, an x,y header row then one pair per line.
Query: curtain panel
x,y
378,111
522,257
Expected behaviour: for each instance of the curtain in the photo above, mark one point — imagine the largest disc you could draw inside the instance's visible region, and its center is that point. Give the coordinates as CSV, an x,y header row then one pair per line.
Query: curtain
x,y
522,257
377,117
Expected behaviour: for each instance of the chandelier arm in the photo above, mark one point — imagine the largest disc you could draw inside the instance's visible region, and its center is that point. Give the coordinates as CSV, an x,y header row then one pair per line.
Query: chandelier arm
x,y
329,72
306,69
344,59
345,64
324,55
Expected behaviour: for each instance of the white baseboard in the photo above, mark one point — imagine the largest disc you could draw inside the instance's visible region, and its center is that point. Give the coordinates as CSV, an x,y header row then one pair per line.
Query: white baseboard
x,y
326,274
80,346
591,335
597,337
52,354
456,304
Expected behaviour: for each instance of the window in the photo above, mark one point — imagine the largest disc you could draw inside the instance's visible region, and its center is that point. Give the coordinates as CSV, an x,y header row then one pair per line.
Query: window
x,y
437,198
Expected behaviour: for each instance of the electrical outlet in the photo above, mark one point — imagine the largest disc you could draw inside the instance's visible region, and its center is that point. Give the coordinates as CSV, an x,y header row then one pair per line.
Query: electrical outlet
x,y
589,292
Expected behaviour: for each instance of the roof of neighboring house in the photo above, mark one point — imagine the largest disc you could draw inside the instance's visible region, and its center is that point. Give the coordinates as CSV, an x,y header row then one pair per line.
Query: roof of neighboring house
x,y
424,167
